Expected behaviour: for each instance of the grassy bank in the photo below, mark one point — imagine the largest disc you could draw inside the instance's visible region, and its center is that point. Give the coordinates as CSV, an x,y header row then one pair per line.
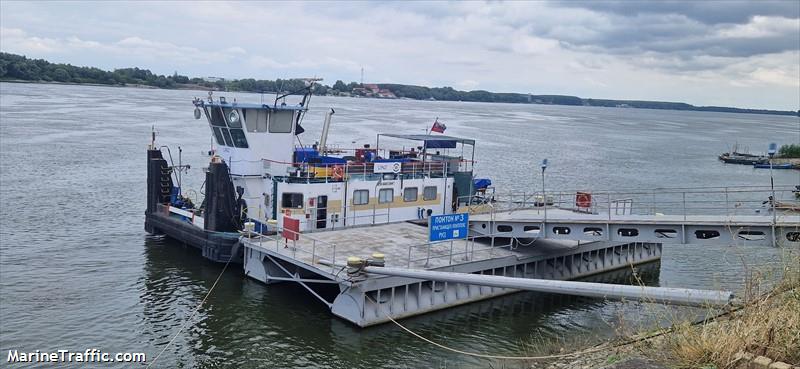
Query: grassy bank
x,y
766,323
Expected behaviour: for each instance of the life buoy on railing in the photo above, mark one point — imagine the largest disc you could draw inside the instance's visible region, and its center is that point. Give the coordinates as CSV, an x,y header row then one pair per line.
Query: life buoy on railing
x,y
338,172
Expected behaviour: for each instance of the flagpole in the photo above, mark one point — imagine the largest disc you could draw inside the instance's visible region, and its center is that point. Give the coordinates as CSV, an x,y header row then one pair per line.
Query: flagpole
x,y
425,143
434,122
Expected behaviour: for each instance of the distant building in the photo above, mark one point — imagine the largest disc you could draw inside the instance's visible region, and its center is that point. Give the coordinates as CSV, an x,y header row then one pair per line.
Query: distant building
x,y
372,88
386,94
213,79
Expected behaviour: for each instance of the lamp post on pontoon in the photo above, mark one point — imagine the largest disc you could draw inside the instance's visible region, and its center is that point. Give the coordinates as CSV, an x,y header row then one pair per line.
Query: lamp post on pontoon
x,y
773,147
544,194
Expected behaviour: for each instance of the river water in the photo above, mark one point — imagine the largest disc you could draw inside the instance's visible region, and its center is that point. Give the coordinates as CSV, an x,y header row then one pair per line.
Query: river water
x,y
78,271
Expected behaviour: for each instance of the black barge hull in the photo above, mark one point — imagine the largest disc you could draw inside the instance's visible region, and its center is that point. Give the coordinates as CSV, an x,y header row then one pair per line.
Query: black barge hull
x,y
218,240
215,246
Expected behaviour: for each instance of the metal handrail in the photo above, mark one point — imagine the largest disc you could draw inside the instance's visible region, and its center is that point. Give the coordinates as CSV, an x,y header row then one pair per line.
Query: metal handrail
x,y
692,201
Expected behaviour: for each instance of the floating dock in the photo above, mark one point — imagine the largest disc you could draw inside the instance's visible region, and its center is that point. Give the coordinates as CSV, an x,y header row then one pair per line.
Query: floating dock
x,y
365,300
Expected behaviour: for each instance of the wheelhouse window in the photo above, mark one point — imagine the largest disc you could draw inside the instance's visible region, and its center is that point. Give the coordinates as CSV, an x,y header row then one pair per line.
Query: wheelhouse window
x,y
429,193
360,197
410,194
239,140
214,115
385,196
292,200
256,120
227,136
281,121
233,117
218,135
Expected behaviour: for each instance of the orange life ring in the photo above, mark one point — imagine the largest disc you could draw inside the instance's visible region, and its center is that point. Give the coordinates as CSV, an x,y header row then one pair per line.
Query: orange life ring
x,y
338,172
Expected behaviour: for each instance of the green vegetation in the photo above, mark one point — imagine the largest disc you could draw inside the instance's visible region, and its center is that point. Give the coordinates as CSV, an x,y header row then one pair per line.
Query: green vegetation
x,y
767,324
789,151
20,68
612,359
17,67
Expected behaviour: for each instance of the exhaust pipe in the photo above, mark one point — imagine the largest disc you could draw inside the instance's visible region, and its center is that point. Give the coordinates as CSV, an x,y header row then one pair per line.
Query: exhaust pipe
x,y
325,127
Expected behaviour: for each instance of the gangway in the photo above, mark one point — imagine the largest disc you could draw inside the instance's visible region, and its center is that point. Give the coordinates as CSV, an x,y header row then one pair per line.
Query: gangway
x,y
726,216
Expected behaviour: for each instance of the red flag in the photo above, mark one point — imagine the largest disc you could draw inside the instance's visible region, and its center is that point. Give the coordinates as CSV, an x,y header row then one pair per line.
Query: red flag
x,y
438,127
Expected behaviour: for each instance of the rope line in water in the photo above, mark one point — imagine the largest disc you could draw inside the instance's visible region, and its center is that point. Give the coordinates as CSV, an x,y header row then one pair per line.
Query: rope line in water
x,y
486,356
189,319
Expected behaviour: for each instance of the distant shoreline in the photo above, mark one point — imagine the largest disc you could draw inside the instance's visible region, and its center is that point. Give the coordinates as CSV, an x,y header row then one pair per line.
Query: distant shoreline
x,y
204,88
20,69
607,104
186,87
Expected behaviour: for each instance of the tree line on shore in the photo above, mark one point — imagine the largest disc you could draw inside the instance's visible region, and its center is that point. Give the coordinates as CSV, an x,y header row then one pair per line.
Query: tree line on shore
x,y
18,67
789,151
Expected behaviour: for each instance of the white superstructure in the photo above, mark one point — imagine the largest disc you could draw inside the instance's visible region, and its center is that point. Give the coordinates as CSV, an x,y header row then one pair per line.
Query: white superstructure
x,y
328,189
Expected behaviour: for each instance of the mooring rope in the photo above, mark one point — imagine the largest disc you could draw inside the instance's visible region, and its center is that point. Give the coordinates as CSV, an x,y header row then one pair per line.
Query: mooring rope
x,y
196,309
486,356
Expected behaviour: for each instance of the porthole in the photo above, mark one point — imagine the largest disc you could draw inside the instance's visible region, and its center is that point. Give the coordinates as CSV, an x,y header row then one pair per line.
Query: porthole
x,y
530,229
561,230
593,231
706,234
751,235
666,233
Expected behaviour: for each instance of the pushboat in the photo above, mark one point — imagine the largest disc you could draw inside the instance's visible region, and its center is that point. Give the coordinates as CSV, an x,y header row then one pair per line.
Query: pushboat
x,y
260,174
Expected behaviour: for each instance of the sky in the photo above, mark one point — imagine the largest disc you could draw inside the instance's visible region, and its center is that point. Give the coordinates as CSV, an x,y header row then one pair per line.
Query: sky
x,y
741,53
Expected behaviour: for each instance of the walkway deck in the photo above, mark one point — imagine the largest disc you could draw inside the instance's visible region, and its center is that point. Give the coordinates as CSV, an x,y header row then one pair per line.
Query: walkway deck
x,y
403,244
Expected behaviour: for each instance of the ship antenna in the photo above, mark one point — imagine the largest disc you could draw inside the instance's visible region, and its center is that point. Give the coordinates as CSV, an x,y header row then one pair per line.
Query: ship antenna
x,y
277,94
180,167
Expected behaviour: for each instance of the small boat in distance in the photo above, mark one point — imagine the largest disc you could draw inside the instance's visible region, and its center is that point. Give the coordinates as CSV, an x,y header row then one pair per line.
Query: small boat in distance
x,y
745,159
774,166
735,156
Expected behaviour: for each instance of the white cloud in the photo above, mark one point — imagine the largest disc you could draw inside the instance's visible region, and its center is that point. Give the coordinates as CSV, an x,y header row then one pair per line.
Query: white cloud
x,y
539,47
760,27
17,39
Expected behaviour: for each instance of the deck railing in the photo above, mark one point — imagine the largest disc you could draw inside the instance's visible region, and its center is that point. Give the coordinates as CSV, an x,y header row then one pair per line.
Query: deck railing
x,y
739,200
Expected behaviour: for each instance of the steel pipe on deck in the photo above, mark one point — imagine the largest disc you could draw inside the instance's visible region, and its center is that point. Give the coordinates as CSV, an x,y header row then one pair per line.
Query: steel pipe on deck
x,y
677,296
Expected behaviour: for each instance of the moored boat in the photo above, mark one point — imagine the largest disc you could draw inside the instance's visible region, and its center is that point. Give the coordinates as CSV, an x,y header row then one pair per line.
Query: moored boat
x,y
261,175
744,159
774,166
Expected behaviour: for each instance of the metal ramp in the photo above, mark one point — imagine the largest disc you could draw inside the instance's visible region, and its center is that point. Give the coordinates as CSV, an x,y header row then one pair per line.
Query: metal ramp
x,y
725,216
